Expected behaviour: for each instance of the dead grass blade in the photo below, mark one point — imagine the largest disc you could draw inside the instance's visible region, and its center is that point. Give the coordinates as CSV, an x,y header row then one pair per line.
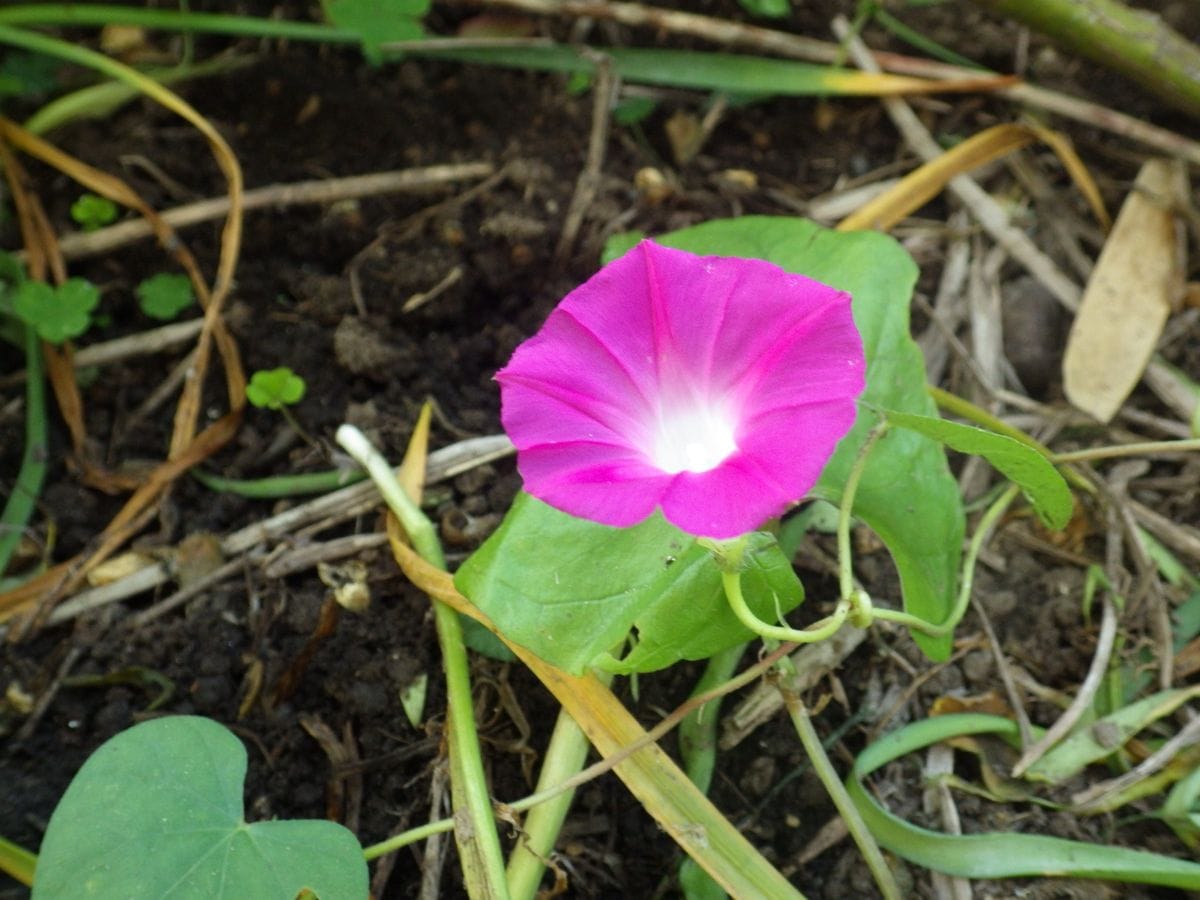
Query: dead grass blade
x,y
186,448
923,184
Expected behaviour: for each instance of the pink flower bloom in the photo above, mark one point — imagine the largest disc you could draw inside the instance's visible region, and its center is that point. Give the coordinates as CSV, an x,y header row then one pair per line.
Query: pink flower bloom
x,y
715,388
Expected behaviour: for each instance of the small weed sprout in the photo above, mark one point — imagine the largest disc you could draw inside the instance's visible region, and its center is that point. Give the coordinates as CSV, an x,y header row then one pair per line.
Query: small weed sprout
x,y
56,314
92,212
166,295
279,389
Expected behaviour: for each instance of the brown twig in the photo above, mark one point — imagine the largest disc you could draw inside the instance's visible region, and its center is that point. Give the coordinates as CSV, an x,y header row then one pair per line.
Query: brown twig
x,y
327,190
604,92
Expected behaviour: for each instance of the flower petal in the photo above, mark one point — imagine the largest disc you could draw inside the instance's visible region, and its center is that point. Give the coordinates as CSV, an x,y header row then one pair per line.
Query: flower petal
x,y
599,482
817,359
569,364
714,387
720,316
725,502
790,446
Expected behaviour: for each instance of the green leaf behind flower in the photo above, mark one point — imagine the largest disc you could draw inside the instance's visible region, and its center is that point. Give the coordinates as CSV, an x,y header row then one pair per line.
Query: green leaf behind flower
x,y
571,590
907,494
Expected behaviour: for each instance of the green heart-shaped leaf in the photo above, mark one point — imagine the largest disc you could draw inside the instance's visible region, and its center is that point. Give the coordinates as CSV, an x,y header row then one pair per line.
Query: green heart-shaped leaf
x,y
157,812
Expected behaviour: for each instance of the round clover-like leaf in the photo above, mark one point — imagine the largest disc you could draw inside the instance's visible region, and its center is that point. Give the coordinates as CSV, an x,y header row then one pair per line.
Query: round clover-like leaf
x,y
92,212
165,296
275,388
157,812
60,314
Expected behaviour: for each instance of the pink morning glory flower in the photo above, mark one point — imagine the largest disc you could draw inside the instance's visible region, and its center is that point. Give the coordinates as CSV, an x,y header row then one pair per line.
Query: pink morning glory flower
x,y
713,388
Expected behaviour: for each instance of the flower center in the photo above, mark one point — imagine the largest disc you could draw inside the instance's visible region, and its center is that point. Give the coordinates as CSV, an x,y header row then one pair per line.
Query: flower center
x,y
693,440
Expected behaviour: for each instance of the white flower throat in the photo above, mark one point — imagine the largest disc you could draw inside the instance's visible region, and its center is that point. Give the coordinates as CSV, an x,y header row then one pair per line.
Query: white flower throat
x,y
693,439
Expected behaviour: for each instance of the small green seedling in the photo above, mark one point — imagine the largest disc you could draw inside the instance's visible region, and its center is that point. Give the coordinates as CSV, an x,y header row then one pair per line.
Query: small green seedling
x,y
279,389
165,296
157,811
91,212
275,388
56,314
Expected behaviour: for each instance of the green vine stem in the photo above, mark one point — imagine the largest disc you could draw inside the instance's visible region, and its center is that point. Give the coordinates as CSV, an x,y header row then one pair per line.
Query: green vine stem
x,y
838,794
1114,451
986,523
1134,42
28,486
818,631
478,842
846,509
565,756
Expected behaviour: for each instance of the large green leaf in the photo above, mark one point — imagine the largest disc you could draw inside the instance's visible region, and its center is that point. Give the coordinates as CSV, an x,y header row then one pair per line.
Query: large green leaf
x,y
571,590
157,812
907,494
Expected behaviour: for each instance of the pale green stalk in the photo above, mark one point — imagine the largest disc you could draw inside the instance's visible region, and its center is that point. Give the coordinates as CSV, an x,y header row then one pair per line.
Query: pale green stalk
x,y
841,799
698,749
477,840
565,756
100,15
849,492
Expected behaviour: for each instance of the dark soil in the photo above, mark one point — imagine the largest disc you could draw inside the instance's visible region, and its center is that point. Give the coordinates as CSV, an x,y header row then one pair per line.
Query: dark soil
x,y
302,112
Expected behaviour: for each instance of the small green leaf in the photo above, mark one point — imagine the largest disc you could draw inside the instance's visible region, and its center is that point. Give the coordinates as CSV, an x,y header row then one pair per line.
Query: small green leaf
x,y
157,812
91,212
1045,488
57,315
770,9
275,388
165,296
689,617
1093,741
412,699
378,22
571,590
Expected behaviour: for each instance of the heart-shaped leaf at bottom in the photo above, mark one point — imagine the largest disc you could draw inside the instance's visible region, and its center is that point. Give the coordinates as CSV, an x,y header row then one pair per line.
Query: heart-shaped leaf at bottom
x,y
157,812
